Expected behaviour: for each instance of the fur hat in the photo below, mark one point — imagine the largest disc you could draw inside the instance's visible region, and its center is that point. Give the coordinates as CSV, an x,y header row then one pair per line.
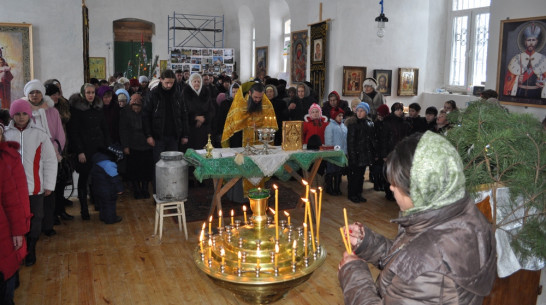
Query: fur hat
x,y
123,80
136,99
51,89
134,82
335,112
143,79
315,106
370,81
314,142
20,105
124,92
383,110
363,105
34,85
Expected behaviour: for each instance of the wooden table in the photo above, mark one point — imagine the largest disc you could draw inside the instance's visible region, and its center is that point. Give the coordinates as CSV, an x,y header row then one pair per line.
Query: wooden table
x,y
225,169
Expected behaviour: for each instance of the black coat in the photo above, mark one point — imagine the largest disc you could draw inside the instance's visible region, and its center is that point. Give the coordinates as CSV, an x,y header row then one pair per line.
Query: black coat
x,y
87,129
343,104
131,130
198,105
392,131
281,113
360,142
158,102
302,107
418,124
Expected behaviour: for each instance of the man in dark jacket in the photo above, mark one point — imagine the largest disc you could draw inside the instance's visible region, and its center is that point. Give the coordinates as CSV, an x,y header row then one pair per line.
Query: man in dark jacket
x,y
165,120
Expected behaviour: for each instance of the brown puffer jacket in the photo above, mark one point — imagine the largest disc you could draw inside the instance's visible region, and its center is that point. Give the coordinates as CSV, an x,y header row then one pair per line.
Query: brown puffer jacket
x,y
443,256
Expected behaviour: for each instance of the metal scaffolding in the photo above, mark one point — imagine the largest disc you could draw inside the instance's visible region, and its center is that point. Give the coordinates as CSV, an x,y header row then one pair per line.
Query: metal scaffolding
x,y
195,31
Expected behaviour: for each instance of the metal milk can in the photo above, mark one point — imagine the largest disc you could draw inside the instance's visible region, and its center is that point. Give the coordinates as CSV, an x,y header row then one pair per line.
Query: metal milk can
x,y
171,173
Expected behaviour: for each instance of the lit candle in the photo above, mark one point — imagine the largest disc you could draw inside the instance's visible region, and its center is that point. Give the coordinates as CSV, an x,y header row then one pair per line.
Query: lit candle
x,y
276,211
306,188
305,238
210,225
210,248
203,228
201,238
219,218
288,216
305,201
347,230
244,213
311,227
276,254
223,254
294,248
319,213
232,213
239,260
315,202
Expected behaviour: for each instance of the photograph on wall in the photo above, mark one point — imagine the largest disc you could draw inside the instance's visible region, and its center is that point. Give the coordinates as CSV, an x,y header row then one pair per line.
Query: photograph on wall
x,y
228,60
196,52
352,80
298,56
206,52
217,52
228,52
408,78
15,61
261,61
317,50
217,60
521,74
384,81
204,60
195,68
97,67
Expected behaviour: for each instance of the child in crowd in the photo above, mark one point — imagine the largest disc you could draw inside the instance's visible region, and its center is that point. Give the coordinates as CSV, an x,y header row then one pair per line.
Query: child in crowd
x,y
335,134
430,116
40,164
360,149
106,184
450,106
416,122
442,124
314,123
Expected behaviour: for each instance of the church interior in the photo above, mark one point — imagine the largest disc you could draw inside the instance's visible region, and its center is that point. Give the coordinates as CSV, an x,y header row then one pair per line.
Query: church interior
x,y
90,263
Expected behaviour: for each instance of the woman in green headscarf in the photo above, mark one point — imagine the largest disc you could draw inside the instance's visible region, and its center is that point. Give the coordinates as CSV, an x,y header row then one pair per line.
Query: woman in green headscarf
x,y
444,252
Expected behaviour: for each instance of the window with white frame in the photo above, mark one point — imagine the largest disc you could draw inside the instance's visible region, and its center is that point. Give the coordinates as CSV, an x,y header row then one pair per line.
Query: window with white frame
x,y
469,28
286,46
253,52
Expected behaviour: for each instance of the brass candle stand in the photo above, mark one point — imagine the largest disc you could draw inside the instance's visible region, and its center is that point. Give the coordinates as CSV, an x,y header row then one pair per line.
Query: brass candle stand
x,y
244,259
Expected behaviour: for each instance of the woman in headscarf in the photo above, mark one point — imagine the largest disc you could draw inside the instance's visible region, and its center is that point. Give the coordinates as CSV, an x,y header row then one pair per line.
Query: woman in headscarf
x,y
87,132
371,96
281,110
200,111
444,252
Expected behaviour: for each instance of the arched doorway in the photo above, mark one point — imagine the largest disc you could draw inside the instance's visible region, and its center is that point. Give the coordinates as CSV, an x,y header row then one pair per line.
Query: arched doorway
x,y
133,47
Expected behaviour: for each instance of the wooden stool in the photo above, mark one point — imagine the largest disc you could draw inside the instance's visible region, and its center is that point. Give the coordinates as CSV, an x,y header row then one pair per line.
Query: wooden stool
x,y
162,210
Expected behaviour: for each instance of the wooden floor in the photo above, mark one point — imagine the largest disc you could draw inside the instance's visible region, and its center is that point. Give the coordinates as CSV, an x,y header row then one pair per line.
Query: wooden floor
x,y
92,263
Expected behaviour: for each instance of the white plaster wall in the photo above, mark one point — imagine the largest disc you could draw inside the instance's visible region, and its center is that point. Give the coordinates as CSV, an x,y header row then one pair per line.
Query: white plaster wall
x,y
54,33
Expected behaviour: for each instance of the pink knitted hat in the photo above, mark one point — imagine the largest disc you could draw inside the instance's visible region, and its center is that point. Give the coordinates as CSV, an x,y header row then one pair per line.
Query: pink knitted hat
x,y
20,105
315,105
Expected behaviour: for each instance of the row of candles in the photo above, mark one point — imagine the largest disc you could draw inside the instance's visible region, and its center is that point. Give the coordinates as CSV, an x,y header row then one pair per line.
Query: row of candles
x,y
308,224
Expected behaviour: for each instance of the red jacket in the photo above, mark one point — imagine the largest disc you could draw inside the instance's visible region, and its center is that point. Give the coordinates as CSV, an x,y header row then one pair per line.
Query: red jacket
x,y
14,208
314,127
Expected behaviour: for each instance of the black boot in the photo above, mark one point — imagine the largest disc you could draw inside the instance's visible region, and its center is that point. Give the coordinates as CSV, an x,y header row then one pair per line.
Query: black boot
x,y
328,185
337,184
30,259
136,190
144,189
84,208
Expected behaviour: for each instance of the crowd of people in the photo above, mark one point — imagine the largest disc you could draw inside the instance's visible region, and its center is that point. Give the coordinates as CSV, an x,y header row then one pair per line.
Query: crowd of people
x,y
114,131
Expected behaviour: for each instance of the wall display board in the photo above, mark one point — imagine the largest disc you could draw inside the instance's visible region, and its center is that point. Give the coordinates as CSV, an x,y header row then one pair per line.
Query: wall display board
x,y
202,60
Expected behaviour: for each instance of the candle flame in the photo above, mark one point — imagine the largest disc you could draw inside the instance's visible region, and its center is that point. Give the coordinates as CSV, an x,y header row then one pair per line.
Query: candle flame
x,y
320,188
220,213
305,200
222,252
210,218
232,212
210,242
272,211
202,236
286,213
275,186
276,248
244,208
295,245
304,182
239,255
313,191
304,225
204,225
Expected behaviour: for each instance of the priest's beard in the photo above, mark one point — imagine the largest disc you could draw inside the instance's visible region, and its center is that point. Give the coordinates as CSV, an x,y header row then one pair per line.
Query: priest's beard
x,y
253,107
